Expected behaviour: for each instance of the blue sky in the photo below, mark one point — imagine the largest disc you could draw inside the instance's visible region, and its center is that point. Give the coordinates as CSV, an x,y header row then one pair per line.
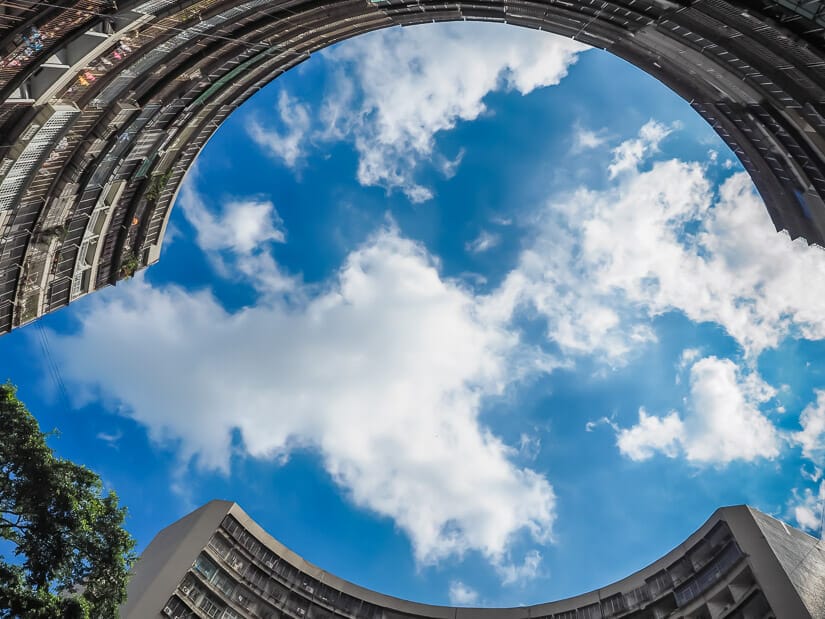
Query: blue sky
x,y
462,313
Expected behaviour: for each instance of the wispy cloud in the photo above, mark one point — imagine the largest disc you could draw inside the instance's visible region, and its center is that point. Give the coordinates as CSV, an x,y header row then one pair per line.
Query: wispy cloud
x,y
630,153
286,144
110,438
483,242
587,139
462,595
238,236
430,79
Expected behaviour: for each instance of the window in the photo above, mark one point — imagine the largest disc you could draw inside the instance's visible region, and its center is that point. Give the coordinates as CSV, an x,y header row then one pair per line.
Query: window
x,y
230,524
613,605
256,577
236,562
243,598
205,566
659,582
637,597
209,607
589,612
223,583
218,544
176,609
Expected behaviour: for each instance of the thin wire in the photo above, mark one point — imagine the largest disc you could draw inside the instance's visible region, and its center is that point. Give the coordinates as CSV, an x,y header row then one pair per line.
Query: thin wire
x,y
54,368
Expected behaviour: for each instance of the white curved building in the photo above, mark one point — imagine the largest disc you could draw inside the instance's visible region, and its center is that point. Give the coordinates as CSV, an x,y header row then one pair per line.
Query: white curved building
x,y
219,563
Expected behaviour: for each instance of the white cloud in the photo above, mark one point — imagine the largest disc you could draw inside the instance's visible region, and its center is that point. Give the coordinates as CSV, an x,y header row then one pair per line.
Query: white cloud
x,y
429,79
604,263
815,474
529,446
462,595
483,242
587,139
812,435
528,569
287,145
650,435
723,422
241,227
688,356
806,508
383,374
630,153
110,438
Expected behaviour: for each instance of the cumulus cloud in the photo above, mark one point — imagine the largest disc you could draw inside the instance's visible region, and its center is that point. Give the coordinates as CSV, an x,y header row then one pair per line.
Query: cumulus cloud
x,y
652,434
723,422
237,238
812,435
242,226
383,375
462,595
429,79
630,153
604,263
528,569
806,508
288,143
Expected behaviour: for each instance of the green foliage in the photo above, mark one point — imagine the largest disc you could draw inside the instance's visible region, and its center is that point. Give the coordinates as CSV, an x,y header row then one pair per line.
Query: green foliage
x,y
156,186
129,265
71,554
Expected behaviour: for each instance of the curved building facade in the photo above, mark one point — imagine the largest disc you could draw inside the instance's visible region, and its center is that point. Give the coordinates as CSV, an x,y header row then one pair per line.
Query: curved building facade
x,y
104,105
217,562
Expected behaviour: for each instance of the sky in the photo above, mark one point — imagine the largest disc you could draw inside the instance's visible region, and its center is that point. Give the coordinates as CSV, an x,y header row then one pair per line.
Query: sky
x,y
463,313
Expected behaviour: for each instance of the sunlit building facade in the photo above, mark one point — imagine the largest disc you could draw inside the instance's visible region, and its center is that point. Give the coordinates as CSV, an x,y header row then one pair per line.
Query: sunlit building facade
x,y
218,563
105,105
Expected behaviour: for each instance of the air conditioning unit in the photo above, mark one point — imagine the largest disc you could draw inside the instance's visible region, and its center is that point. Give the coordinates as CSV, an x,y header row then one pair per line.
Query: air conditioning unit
x,y
186,589
167,611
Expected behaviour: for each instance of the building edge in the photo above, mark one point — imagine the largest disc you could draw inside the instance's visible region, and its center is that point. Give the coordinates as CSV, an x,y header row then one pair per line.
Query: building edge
x,y
769,548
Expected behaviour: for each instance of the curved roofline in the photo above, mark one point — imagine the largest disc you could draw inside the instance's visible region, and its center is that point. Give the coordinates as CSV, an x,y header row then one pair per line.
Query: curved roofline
x,y
632,581
739,558
757,76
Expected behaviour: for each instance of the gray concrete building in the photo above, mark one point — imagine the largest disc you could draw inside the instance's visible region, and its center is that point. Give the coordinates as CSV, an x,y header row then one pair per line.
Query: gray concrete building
x,y
217,562
104,106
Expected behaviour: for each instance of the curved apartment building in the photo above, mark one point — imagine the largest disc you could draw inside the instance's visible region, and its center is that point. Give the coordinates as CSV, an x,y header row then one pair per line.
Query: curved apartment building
x,y
218,563
104,106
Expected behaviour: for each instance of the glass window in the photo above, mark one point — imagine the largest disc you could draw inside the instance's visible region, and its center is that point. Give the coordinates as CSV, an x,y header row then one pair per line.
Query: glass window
x,y
237,562
219,545
209,607
223,583
205,566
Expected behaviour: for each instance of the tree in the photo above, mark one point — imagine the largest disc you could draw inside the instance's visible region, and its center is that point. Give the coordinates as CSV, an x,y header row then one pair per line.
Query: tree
x,y
71,554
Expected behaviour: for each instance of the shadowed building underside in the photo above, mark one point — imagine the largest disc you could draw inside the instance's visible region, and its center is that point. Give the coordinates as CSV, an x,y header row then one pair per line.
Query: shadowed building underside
x,y
218,562
104,106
